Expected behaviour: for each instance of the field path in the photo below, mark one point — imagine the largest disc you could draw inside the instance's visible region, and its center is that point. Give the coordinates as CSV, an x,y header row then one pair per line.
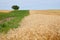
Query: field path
x,y
6,19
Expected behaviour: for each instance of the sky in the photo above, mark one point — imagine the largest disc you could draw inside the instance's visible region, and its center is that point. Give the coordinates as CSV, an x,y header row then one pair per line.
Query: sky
x,y
30,4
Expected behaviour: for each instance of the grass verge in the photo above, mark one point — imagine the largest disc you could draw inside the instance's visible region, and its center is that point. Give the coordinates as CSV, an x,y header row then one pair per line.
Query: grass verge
x,y
13,23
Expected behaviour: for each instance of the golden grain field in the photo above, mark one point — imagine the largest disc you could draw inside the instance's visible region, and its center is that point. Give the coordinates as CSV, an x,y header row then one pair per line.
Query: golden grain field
x,y
36,26
5,11
50,12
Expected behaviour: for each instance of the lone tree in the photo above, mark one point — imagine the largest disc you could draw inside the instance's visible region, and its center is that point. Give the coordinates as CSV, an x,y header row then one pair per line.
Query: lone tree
x,y
15,7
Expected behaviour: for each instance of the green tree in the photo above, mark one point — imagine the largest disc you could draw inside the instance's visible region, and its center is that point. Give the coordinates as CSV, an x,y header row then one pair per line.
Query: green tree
x,y
15,7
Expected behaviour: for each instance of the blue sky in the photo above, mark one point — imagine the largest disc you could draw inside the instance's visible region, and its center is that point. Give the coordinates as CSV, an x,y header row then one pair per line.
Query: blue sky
x,y
30,4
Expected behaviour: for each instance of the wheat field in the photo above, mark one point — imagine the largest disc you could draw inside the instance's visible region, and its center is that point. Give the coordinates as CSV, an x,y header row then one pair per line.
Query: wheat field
x,y
5,11
36,26
49,12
